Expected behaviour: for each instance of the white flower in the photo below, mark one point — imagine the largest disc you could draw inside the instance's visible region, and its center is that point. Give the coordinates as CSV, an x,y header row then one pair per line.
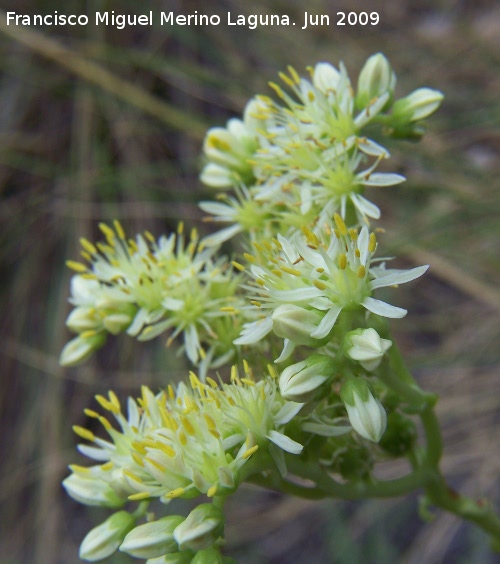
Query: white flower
x,y
326,277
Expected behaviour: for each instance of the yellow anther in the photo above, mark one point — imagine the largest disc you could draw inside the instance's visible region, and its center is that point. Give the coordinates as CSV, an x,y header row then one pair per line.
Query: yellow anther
x,y
105,423
212,491
119,229
341,226
310,95
212,382
372,245
88,246
91,413
353,234
139,447
131,476
238,266
361,271
248,453
287,80
107,466
156,464
256,303
107,231
77,469
175,493
247,381
182,438
357,253
293,74
234,375
180,228
84,433
115,401
137,458
139,496
272,371
106,404
249,258
342,261
291,271
171,392
76,266
320,285
277,89
167,449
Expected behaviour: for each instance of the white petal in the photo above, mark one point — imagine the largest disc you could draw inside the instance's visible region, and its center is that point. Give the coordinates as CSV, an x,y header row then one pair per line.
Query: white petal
x,y
218,209
384,309
298,295
371,148
287,412
288,348
253,332
219,237
398,277
285,443
365,206
326,323
383,179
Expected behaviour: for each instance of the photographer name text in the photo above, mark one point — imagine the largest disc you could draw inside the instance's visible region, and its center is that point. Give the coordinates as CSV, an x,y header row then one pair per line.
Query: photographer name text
x,y
252,21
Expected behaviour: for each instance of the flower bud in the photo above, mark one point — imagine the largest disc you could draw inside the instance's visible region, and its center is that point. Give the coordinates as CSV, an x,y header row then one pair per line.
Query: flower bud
x,y
297,323
103,541
154,539
366,414
78,350
375,79
83,319
202,527
300,382
417,105
326,77
216,176
367,347
92,491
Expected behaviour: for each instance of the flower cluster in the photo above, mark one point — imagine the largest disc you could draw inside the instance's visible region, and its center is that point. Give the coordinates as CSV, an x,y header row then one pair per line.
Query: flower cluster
x,y
291,177
302,284
146,287
306,158
184,442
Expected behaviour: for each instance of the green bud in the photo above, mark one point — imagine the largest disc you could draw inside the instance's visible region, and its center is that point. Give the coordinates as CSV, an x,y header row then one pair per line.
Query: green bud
x,y
300,382
375,79
417,105
78,350
154,539
297,323
366,414
103,541
202,527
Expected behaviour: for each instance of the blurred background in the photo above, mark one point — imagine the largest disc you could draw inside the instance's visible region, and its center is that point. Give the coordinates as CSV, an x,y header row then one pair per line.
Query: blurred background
x,y
98,123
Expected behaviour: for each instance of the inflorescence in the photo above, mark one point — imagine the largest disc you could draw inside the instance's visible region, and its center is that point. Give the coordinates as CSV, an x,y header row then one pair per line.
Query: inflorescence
x,y
296,312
